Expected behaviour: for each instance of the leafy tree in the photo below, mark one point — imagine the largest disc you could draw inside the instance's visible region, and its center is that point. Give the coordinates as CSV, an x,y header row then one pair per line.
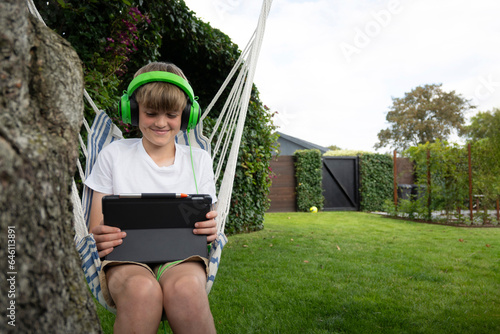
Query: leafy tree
x,y
334,148
425,114
486,171
484,125
448,167
344,153
484,134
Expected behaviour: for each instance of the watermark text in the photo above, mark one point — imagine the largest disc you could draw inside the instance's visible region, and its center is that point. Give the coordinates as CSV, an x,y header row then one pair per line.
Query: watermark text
x,y
487,87
11,275
364,36
225,6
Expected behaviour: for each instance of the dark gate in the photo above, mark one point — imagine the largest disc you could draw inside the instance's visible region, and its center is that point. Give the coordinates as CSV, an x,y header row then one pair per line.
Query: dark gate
x,y
341,183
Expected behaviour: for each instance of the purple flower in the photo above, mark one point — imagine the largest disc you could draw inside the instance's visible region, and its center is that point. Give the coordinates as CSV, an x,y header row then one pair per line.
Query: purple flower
x,y
134,10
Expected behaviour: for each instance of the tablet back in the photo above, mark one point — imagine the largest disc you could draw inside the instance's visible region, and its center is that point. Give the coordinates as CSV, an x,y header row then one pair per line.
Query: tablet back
x,y
159,227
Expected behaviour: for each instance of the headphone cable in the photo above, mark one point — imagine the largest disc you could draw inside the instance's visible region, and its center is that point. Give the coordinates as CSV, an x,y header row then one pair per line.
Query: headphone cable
x,y
192,163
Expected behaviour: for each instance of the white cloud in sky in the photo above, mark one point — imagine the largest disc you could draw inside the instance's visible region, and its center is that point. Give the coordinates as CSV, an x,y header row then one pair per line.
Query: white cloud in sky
x,y
330,96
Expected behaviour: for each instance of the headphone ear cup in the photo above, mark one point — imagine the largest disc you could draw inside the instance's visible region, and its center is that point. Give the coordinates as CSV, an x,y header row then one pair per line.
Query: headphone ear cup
x,y
190,116
134,112
195,115
124,109
186,114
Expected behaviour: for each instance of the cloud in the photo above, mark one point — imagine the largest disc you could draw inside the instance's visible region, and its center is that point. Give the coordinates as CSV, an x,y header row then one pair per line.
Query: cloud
x,y
330,97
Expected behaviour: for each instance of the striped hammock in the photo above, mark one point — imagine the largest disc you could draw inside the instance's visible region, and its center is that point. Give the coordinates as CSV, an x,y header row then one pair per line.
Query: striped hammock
x,y
229,127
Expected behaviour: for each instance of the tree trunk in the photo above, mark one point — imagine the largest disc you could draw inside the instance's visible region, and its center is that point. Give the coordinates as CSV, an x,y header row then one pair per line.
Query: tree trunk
x,y
41,108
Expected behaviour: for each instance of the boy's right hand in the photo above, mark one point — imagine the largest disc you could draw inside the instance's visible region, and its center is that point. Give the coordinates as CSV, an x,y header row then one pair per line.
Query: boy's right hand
x,y
107,238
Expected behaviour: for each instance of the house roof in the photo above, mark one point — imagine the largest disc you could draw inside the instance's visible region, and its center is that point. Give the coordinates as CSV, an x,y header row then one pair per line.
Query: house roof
x,y
297,144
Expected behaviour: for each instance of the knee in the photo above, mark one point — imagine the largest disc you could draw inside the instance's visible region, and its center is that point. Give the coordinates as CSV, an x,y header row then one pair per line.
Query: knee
x,y
139,289
185,288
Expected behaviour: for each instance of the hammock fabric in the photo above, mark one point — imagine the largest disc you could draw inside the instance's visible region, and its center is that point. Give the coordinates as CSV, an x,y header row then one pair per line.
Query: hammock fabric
x,y
229,127
103,132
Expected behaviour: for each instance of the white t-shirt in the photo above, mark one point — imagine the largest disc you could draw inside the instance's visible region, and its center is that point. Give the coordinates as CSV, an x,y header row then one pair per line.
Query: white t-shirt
x,y
124,167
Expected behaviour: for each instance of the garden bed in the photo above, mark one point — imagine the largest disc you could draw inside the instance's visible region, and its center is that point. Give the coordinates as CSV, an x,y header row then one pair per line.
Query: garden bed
x,y
453,222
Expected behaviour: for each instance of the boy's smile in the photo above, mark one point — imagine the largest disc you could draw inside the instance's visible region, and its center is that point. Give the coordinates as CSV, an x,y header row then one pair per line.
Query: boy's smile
x,y
159,128
160,132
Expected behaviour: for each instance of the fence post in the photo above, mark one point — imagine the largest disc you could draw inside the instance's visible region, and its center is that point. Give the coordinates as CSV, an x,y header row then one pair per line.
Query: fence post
x,y
395,180
429,183
498,209
470,183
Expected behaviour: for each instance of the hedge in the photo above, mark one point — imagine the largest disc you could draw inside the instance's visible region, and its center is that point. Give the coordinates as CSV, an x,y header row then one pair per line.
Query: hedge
x,y
376,181
309,175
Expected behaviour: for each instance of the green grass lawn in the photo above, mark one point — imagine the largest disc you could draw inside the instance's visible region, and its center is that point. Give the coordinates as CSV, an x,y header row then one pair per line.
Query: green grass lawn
x,y
351,272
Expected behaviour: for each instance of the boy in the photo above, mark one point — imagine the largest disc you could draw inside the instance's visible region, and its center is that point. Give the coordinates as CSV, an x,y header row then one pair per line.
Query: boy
x,y
154,163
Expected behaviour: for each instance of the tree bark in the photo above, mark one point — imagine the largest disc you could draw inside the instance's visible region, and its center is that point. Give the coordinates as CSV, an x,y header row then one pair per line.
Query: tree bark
x,y
41,109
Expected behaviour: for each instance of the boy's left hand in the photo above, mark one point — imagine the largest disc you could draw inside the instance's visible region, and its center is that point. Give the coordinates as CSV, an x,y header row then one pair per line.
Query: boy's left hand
x,y
208,227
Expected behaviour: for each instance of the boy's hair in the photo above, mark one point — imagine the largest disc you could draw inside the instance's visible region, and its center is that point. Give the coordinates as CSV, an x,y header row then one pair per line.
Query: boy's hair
x,y
161,96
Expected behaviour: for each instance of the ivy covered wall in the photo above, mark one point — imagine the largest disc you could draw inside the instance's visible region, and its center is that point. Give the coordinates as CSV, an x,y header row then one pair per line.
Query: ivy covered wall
x,y
309,176
376,180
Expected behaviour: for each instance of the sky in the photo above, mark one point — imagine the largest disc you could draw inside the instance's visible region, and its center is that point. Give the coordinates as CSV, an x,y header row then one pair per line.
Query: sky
x,y
330,68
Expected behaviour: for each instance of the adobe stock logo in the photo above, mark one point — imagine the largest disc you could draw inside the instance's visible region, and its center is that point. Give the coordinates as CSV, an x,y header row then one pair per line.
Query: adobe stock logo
x,y
486,87
224,6
363,37
284,117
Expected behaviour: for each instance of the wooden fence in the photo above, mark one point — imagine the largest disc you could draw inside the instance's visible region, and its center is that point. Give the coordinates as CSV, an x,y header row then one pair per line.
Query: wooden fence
x,y
282,192
283,197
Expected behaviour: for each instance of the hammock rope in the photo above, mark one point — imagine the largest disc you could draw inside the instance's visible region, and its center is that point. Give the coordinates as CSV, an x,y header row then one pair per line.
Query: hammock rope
x,y
228,128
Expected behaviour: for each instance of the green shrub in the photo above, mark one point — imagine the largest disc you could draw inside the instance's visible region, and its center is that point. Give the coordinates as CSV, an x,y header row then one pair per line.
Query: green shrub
x,y
389,208
376,181
486,170
449,170
309,175
344,153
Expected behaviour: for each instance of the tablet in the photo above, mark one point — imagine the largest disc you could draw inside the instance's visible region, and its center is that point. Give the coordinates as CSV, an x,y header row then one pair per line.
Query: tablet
x,y
159,227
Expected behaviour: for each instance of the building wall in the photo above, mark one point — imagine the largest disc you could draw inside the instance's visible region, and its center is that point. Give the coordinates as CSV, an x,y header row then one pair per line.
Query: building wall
x,y
282,192
404,171
288,148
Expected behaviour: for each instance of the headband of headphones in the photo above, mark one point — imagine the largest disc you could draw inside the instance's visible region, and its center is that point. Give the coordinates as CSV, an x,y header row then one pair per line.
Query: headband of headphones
x,y
129,110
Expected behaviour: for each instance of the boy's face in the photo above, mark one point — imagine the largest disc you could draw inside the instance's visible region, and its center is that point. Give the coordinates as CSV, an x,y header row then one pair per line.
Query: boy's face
x,y
159,128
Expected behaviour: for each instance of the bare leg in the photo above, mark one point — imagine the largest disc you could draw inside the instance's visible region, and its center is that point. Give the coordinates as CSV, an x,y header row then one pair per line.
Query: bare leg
x,y
138,299
185,299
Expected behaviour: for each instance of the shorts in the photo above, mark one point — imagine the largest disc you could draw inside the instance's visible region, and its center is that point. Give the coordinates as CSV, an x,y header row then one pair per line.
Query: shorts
x,y
153,270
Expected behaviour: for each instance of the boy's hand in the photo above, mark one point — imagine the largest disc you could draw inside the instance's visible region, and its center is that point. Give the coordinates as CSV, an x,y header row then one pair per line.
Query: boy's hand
x,y
208,227
106,238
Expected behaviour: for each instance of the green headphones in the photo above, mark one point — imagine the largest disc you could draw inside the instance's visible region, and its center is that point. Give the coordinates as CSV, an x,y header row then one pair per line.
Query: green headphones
x,y
129,109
